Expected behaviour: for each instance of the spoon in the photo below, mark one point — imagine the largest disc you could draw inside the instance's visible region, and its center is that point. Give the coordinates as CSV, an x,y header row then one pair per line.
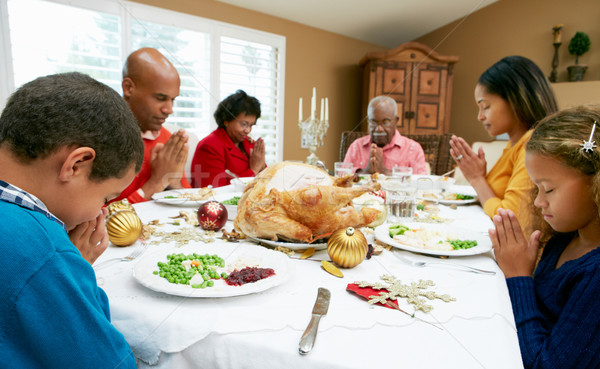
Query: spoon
x,y
467,268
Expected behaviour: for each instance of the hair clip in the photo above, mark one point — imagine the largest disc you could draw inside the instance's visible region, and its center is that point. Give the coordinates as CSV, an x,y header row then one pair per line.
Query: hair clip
x,y
588,145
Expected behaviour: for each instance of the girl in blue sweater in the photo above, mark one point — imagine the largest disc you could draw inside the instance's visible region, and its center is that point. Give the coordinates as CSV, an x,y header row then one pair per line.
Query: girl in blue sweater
x,y
557,310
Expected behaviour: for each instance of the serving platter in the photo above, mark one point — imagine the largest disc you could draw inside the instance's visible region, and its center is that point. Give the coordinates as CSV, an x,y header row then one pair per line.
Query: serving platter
x,y
235,255
483,241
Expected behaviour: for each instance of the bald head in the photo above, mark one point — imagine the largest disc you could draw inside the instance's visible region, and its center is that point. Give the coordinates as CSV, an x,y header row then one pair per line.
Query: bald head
x,y
150,86
146,60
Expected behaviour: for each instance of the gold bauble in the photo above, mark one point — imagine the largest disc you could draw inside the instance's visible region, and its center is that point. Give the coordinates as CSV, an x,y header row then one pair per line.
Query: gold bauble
x,y
347,247
124,227
115,207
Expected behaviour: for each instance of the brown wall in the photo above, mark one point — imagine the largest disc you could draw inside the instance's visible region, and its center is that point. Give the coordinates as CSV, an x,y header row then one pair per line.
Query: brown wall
x,y
511,27
314,58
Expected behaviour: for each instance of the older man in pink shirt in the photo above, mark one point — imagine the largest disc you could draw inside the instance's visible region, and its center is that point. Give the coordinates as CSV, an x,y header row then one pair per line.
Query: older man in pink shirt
x,y
385,147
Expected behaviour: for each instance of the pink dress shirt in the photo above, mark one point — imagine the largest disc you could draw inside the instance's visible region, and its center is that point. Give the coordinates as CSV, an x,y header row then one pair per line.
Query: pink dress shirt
x,y
401,151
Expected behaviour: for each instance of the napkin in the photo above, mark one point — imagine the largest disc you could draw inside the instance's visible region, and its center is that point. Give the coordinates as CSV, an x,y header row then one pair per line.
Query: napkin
x,y
365,292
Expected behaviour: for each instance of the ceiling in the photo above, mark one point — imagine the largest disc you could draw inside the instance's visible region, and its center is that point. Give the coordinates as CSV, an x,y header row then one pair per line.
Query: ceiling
x,y
386,23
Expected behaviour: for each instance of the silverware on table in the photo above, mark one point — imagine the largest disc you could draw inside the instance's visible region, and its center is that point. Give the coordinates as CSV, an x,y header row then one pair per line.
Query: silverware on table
x,y
231,173
448,173
134,254
310,334
466,268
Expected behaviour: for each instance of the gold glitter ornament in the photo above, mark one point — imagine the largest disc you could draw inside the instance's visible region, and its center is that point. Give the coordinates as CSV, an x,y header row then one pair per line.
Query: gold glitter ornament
x,y
124,227
117,206
347,247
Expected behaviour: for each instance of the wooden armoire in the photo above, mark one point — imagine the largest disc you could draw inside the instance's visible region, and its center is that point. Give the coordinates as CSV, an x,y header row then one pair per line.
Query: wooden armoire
x,y
419,79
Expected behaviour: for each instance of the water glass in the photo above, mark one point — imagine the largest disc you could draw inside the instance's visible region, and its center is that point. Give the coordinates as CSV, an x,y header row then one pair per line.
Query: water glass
x,y
402,174
343,169
401,204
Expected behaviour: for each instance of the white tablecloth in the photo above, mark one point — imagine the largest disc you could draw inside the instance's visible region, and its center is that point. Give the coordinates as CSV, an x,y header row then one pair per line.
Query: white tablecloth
x,y
263,329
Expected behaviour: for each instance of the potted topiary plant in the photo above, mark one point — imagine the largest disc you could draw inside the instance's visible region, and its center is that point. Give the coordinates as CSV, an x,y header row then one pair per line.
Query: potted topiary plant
x,y
579,45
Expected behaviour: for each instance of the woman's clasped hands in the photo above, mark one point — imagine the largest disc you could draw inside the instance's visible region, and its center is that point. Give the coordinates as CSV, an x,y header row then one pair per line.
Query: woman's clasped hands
x,y
472,165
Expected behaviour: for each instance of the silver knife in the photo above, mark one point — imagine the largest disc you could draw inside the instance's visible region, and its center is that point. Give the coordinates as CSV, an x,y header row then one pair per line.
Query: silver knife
x,y
310,334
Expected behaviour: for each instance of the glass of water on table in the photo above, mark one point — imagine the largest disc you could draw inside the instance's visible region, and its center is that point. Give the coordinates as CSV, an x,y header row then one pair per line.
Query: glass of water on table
x,y
343,169
402,174
400,200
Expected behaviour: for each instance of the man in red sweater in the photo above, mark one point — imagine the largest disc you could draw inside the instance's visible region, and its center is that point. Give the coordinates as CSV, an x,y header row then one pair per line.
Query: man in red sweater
x,y
150,86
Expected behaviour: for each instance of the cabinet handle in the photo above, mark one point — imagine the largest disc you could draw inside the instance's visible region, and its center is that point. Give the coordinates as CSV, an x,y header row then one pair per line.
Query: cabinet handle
x,y
409,115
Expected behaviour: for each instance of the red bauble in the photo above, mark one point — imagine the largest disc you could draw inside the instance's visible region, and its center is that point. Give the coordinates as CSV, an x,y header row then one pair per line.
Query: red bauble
x,y
212,216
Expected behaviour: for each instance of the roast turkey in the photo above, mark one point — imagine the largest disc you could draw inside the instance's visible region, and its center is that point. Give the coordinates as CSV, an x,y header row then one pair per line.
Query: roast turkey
x,y
296,202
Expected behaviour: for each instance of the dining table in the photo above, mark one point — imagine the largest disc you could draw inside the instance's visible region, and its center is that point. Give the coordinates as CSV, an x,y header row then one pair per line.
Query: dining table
x,y
261,327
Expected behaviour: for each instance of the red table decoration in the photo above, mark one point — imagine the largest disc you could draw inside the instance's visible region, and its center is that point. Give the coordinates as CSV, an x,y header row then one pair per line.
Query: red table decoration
x,y
212,216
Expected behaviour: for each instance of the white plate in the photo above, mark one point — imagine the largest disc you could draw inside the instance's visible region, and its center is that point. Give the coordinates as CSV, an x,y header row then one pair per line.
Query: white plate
x,y
174,197
483,241
163,197
232,253
291,245
456,202
463,190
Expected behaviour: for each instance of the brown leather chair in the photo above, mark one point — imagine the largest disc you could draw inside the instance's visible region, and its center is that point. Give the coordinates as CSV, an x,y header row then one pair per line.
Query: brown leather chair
x,y
435,147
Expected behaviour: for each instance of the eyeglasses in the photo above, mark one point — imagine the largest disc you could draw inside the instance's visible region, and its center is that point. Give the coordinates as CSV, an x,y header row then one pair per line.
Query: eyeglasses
x,y
387,123
245,125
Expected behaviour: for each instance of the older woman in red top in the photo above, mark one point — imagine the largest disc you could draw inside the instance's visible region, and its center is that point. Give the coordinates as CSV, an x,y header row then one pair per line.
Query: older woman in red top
x,y
228,146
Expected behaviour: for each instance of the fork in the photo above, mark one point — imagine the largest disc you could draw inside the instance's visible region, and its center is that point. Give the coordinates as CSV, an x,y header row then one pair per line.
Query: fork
x,y
420,264
134,254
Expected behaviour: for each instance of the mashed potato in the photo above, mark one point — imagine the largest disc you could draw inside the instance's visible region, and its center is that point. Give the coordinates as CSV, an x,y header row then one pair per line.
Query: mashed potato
x,y
426,239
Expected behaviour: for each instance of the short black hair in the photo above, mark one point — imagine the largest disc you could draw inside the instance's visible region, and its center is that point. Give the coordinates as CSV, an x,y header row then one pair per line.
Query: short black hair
x,y
72,109
235,104
521,82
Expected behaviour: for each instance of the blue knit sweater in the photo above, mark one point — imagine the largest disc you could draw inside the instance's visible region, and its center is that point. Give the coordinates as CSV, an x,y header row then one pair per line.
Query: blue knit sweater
x,y
52,313
557,312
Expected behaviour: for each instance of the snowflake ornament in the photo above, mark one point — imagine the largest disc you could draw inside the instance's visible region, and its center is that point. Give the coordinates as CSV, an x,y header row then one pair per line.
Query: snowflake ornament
x,y
412,292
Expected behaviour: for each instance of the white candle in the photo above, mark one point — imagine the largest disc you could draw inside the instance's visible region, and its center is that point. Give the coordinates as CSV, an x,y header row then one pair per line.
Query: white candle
x,y
313,104
300,111
322,109
327,109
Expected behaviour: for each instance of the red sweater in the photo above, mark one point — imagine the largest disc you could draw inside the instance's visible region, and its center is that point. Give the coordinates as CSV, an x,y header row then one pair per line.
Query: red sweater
x,y
131,192
215,153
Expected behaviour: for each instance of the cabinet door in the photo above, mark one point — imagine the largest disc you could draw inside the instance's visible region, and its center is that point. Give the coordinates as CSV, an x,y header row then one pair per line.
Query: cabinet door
x,y
396,83
428,99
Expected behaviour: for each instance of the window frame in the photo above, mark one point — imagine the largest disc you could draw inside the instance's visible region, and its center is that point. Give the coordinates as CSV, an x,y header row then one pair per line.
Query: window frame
x,y
127,11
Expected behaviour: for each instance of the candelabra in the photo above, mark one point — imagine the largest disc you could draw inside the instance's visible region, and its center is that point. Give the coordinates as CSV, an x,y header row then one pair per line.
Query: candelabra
x,y
313,131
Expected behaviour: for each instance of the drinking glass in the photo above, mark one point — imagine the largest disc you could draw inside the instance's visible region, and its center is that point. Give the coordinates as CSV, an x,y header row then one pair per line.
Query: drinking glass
x,y
343,169
402,174
400,201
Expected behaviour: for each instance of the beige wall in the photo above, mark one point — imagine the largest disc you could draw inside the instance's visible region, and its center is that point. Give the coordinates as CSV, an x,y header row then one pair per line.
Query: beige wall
x,y
511,27
329,62
314,58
